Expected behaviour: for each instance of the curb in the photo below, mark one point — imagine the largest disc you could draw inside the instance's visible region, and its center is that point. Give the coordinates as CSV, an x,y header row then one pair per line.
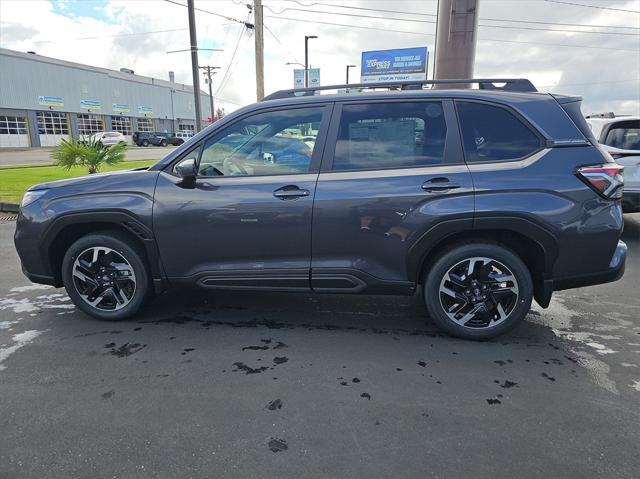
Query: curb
x,y
9,207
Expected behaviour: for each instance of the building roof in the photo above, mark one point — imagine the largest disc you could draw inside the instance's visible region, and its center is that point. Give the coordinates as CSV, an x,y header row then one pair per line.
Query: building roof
x,y
133,77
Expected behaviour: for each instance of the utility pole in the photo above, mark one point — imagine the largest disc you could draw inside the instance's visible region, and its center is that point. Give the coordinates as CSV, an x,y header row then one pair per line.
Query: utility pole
x,y
306,59
194,63
208,71
259,34
456,37
348,66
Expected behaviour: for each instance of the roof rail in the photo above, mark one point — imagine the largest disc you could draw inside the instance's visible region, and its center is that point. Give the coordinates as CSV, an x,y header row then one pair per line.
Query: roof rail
x,y
510,84
608,114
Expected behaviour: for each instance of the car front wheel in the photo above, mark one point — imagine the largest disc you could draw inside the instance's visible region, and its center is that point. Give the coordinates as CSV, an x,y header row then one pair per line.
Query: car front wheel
x,y
105,275
478,291
163,143
145,142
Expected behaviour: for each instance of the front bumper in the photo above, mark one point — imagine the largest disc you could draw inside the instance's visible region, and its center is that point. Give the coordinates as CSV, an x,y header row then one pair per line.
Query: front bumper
x,y
614,272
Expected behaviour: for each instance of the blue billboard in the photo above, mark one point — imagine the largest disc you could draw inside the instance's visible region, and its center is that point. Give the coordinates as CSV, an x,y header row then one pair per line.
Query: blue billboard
x,y
402,64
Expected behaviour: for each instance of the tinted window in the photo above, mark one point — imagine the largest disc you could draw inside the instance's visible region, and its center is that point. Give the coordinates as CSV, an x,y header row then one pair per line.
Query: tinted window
x,y
272,143
390,135
491,133
624,135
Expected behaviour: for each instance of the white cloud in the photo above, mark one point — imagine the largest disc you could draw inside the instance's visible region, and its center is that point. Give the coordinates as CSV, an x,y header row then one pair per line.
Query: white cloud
x,y
606,76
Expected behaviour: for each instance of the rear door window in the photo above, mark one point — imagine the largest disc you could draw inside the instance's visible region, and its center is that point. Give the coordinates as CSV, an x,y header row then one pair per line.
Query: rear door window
x,y
624,135
493,133
390,135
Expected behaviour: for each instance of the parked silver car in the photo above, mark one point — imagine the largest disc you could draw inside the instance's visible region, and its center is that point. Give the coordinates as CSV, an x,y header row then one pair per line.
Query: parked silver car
x,y
620,136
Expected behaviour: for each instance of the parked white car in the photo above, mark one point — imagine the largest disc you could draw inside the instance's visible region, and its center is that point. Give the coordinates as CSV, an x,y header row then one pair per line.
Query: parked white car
x,y
620,136
183,135
108,138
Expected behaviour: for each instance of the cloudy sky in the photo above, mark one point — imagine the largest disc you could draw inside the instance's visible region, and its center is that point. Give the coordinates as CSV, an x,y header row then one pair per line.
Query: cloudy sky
x,y
585,47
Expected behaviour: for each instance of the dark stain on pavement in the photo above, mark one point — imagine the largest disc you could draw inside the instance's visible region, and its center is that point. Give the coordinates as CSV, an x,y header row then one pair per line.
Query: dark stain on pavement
x,y
506,384
248,369
366,396
550,378
494,401
127,349
275,404
108,394
280,359
277,445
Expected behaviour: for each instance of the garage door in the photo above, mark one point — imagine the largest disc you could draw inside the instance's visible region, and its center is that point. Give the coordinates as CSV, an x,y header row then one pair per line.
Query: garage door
x,y
13,131
53,126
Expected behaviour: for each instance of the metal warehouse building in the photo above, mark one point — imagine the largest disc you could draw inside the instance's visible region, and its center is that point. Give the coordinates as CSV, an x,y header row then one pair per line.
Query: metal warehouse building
x,y
43,100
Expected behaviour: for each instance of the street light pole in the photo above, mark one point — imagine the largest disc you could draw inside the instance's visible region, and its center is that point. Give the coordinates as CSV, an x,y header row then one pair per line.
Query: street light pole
x,y
173,116
194,63
348,66
306,59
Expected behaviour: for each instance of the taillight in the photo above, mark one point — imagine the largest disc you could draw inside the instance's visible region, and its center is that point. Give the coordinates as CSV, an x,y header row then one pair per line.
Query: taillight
x,y
605,179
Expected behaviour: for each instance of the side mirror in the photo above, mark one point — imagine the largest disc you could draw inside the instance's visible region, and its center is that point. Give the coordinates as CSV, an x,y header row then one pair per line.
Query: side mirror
x,y
186,170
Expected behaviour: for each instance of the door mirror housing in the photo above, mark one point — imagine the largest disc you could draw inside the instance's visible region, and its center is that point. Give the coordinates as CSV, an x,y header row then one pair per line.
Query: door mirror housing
x,y
186,169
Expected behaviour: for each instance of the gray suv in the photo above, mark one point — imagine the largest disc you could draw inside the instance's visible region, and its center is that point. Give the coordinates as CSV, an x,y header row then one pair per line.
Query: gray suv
x,y
481,199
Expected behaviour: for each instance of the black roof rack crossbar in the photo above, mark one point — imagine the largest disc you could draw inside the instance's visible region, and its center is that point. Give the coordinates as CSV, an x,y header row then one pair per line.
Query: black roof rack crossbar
x,y
510,84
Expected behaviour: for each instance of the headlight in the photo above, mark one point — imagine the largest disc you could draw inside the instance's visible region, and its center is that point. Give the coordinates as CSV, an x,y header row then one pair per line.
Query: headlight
x,y
31,196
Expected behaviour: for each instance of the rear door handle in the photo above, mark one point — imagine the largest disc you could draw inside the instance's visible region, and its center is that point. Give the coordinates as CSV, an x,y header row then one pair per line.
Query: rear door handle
x,y
439,184
290,192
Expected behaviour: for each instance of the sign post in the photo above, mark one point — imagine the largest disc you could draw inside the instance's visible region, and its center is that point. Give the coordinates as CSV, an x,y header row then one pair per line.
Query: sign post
x,y
404,64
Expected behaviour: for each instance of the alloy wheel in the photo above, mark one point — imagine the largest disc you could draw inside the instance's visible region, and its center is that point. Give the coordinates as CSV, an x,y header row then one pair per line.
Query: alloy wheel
x,y
478,292
103,278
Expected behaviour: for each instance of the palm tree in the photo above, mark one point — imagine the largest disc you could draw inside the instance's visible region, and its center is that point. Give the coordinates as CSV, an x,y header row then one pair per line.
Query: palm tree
x,y
91,154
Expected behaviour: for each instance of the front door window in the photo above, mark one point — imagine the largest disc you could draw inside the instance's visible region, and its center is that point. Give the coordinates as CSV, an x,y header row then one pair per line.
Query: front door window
x,y
271,143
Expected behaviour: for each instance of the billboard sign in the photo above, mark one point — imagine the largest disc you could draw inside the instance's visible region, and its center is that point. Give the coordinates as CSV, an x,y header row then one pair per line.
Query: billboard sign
x,y
404,64
298,78
145,111
314,77
45,100
91,104
121,107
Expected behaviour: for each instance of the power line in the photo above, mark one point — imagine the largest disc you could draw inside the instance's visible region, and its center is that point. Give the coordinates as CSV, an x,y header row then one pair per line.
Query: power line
x,y
434,15
593,6
227,73
433,22
431,34
281,44
113,36
559,45
231,19
349,25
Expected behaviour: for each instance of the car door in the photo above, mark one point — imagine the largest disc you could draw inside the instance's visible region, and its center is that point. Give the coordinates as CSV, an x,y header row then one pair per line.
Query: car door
x,y
392,170
247,221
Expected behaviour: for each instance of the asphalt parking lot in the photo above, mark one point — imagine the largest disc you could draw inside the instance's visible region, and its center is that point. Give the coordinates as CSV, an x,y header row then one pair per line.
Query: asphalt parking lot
x,y
286,385
42,156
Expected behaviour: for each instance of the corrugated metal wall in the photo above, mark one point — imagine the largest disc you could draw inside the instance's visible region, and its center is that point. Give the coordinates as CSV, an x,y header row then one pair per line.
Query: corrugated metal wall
x,y
24,78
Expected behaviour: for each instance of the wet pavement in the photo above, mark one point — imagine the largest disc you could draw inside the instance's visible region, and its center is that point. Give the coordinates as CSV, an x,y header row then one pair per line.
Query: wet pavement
x,y
292,385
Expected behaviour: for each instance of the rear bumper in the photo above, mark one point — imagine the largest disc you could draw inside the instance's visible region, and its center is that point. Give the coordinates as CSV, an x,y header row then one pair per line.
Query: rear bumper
x,y
631,201
613,273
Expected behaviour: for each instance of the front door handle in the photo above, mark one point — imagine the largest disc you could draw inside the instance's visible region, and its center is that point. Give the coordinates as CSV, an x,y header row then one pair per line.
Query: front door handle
x,y
439,184
290,192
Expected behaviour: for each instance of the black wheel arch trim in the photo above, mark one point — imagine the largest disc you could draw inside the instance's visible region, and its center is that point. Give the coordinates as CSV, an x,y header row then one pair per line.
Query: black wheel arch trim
x,y
122,219
430,239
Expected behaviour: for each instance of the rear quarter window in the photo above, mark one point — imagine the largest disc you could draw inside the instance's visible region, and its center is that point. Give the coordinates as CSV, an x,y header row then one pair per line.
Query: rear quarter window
x,y
624,135
493,133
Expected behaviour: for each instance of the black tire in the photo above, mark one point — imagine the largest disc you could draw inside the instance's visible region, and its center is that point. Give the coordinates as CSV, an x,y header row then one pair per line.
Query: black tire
x,y
163,143
145,142
120,245
456,257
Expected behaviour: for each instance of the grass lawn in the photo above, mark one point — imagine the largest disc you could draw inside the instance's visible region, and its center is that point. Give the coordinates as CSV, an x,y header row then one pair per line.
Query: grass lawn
x,y
14,180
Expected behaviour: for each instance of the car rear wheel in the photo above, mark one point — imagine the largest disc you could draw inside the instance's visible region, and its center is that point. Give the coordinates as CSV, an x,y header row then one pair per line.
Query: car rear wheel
x,y
478,291
163,143
145,142
105,276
